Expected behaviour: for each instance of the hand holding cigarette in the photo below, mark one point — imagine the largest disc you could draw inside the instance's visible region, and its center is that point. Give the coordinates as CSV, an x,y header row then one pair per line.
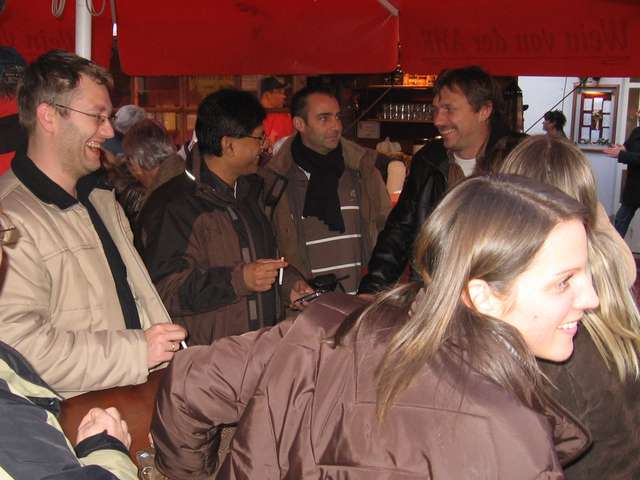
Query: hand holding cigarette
x,y
259,276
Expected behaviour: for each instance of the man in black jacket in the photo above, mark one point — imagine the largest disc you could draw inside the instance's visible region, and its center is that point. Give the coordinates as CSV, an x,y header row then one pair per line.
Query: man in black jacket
x,y
629,154
468,115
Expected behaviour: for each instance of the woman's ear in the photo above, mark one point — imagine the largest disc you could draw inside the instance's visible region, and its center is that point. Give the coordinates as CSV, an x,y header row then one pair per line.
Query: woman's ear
x,y
480,296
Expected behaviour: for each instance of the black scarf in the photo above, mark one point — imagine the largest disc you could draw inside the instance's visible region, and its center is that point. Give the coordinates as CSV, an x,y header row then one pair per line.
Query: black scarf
x,y
322,199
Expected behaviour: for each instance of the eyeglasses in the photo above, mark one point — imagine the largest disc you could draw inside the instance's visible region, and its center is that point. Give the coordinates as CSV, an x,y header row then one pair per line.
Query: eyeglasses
x,y
8,232
262,138
100,117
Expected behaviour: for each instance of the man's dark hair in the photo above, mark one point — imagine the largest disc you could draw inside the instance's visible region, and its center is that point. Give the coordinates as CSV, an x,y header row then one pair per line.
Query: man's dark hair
x,y
269,84
477,86
557,118
51,78
299,100
226,113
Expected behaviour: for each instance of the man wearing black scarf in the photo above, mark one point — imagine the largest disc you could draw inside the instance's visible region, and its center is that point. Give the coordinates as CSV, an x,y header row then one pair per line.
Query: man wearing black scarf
x,y
333,200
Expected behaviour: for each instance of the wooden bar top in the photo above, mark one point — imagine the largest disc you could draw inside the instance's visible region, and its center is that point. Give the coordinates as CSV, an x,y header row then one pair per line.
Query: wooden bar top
x,y
135,403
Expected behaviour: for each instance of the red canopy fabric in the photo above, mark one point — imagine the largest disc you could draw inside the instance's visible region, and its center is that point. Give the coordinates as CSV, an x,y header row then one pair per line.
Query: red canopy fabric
x,y
30,28
223,37
201,37
507,37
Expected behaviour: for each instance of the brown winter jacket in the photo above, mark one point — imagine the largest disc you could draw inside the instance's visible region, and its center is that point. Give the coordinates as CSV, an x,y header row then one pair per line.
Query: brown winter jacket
x,y
374,208
306,409
195,241
609,408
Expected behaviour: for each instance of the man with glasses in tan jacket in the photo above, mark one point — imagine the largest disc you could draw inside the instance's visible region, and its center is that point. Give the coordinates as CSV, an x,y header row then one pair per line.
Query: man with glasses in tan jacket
x,y
76,301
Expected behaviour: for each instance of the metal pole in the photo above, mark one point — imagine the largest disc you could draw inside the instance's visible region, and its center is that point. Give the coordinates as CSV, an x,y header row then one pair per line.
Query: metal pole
x,y
390,7
83,29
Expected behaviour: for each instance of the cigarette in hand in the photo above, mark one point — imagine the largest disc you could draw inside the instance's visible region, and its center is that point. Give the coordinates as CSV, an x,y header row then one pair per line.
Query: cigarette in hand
x,y
280,273
183,344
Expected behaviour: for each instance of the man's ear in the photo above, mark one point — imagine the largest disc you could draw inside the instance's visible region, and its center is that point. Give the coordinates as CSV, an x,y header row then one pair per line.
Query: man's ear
x,y
298,123
227,145
480,296
45,117
485,111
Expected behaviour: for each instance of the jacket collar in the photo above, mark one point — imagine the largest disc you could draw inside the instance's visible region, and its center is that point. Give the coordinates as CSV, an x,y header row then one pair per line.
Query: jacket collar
x,y
39,184
46,189
171,167
39,392
283,160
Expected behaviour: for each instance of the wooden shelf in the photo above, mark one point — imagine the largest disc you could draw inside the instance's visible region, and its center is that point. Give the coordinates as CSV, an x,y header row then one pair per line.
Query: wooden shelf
x,y
400,121
400,87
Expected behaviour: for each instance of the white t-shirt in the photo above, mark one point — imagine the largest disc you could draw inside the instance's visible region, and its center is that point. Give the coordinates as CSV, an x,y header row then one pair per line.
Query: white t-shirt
x,y
467,165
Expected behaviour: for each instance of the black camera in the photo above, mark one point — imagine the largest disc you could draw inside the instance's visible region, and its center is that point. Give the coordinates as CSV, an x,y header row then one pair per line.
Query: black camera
x,y
327,282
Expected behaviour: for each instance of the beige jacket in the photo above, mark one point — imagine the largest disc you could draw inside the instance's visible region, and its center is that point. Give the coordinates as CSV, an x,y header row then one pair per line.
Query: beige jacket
x,y
58,300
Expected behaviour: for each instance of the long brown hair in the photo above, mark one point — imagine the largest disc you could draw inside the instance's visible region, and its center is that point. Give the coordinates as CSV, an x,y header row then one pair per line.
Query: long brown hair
x,y
557,162
487,228
615,325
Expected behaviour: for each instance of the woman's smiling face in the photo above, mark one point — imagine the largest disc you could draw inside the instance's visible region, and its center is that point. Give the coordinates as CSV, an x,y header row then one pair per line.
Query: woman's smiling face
x,y
548,300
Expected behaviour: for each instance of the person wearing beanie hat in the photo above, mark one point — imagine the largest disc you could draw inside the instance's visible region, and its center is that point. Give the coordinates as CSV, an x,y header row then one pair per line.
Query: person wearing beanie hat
x,y
125,118
273,95
12,136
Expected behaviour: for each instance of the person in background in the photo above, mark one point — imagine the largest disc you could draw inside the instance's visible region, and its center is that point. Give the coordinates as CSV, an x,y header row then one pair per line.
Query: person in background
x,y
333,199
602,374
12,136
273,95
629,154
556,161
553,123
468,115
204,237
436,380
128,189
76,300
151,159
125,118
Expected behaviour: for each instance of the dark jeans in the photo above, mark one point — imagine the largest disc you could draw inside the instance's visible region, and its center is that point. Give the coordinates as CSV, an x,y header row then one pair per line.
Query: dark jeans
x,y
623,218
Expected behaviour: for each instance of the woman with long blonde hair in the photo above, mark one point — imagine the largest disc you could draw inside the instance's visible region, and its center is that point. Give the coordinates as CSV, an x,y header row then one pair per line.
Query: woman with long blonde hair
x,y
602,375
437,380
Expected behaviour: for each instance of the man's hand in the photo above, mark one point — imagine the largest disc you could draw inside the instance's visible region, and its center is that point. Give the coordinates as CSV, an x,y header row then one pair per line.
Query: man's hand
x,y
98,420
369,297
614,150
259,275
299,290
163,341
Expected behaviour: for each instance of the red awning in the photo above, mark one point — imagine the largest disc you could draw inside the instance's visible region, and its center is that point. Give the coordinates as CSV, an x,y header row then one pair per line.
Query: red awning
x,y
205,37
201,37
546,37
30,28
